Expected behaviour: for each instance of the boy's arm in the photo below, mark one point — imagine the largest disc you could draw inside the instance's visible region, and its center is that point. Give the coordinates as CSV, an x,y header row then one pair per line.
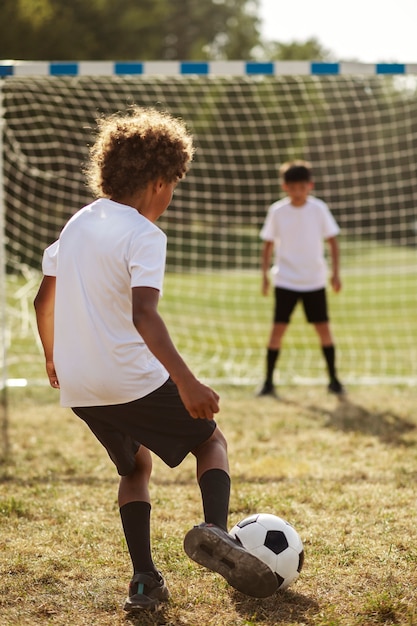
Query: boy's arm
x,y
334,254
267,250
44,306
199,400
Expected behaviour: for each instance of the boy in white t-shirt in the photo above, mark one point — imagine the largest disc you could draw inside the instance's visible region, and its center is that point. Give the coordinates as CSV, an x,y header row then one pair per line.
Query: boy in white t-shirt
x,y
109,352
295,228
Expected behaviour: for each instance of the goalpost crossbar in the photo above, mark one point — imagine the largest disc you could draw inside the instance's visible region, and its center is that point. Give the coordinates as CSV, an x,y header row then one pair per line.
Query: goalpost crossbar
x,y
202,68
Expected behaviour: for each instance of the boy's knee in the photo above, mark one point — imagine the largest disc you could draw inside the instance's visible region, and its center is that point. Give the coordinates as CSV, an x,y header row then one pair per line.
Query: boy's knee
x,y
143,461
220,438
216,439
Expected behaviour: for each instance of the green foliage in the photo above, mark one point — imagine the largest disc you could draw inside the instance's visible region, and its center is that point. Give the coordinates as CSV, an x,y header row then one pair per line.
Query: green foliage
x,y
127,29
310,50
150,29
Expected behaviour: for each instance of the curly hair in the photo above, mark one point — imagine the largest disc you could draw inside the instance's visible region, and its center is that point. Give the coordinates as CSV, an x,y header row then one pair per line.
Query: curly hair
x,y
135,148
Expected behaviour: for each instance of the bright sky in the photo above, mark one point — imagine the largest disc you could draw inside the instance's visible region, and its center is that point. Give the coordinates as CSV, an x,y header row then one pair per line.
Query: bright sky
x,y
370,31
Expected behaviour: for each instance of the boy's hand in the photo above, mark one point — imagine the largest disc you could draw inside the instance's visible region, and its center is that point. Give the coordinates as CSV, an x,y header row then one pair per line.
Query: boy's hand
x,y
53,378
200,401
336,283
265,285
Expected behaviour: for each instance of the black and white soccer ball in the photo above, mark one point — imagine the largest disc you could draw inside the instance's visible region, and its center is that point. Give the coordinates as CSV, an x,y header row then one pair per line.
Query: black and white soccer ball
x,y
275,542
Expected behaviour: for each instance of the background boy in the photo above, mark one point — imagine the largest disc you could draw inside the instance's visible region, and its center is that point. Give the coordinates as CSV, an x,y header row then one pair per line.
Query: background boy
x,y
295,227
110,353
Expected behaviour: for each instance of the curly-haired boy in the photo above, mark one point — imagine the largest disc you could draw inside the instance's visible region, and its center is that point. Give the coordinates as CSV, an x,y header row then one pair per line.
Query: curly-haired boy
x,y
109,352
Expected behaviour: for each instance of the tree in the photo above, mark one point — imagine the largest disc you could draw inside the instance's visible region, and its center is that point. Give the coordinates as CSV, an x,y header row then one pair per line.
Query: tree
x,y
310,50
128,29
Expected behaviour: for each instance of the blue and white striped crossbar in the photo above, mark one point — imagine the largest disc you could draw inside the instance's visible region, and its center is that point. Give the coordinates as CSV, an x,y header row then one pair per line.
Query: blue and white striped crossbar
x,y
200,68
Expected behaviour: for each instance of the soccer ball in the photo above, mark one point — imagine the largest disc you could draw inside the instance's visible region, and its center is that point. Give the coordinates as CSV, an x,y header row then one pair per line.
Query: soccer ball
x,y
275,542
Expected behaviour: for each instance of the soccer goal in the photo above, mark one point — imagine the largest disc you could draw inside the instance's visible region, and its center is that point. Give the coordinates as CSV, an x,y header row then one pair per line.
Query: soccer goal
x,y
356,124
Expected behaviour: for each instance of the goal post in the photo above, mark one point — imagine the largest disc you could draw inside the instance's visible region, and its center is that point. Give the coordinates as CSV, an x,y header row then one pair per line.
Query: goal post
x,y
356,123
4,446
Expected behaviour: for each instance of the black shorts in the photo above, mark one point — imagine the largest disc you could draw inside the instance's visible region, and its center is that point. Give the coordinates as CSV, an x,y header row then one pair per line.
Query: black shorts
x,y
314,303
159,421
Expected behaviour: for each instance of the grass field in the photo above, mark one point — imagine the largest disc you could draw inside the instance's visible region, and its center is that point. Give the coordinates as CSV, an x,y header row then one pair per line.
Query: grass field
x,y
344,473
221,323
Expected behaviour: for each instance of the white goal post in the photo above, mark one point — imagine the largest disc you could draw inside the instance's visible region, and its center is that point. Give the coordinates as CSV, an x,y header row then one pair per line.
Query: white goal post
x,y
356,123
4,444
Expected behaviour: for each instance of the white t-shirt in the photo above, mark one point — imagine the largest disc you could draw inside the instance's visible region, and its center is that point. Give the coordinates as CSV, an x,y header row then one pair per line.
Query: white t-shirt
x,y
298,234
103,251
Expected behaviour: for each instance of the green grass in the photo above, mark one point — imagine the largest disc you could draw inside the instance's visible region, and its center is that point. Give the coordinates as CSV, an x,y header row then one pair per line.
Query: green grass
x,y
344,473
221,323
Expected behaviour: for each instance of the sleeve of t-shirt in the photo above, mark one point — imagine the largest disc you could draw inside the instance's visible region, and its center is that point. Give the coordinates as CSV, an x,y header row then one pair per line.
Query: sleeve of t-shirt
x,y
147,260
268,231
50,259
330,226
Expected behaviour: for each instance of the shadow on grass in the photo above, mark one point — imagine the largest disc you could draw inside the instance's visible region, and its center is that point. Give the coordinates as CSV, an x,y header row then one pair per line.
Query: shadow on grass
x,y
348,416
285,607
281,608
158,618
386,425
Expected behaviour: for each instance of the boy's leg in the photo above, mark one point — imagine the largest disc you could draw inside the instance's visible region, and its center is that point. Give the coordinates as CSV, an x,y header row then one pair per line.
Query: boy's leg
x,y
315,307
147,587
135,508
213,478
285,303
272,355
329,352
209,544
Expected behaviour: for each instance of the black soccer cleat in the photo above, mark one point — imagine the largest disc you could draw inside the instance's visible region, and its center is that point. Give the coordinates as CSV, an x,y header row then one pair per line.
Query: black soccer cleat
x,y
268,389
215,549
146,591
336,387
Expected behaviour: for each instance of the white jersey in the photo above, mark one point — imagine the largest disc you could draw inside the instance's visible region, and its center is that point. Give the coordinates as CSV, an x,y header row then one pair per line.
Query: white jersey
x,y
103,251
298,234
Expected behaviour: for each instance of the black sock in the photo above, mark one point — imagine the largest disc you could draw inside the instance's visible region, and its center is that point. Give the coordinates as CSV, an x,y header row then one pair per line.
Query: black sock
x,y
329,353
136,525
215,492
271,359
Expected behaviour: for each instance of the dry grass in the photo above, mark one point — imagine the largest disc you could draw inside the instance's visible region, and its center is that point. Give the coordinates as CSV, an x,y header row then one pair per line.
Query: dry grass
x,y
344,474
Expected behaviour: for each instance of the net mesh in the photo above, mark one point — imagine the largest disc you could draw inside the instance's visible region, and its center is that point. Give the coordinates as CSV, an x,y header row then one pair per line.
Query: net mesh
x,y
360,133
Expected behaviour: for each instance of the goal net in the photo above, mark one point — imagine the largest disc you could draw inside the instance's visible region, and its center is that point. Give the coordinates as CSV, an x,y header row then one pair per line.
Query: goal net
x,y
359,132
